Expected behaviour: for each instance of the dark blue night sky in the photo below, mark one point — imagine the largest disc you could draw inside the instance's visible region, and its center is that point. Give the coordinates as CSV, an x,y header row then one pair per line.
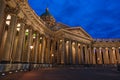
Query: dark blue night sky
x,y
100,18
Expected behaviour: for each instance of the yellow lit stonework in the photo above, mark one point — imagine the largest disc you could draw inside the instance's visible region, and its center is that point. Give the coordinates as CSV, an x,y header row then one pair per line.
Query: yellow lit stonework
x,y
43,41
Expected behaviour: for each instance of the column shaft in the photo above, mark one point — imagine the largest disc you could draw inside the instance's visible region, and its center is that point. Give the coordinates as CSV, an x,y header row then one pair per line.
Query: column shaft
x,y
48,51
70,49
67,52
20,44
63,52
36,48
59,55
28,42
79,54
2,18
111,56
118,55
9,39
90,55
94,55
106,57
86,55
82,55
76,56
40,51
43,50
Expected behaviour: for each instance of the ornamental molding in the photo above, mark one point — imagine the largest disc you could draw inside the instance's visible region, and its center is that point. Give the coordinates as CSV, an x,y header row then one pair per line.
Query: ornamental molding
x,y
22,20
11,10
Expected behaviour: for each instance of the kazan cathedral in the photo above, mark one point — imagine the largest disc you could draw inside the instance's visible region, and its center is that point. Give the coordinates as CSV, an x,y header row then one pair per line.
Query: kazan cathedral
x,y
27,39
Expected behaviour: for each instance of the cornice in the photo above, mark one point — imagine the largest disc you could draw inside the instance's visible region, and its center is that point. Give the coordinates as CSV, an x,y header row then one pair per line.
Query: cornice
x,y
31,17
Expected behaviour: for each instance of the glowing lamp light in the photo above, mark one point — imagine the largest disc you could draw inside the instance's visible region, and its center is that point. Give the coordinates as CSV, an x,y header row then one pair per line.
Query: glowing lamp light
x,y
52,55
9,17
8,22
40,38
18,25
60,40
10,72
3,74
16,71
31,47
34,37
78,44
73,43
18,29
98,59
67,41
27,30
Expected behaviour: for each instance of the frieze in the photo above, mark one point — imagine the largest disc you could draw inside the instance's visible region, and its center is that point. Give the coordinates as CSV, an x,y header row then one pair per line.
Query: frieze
x,y
22,20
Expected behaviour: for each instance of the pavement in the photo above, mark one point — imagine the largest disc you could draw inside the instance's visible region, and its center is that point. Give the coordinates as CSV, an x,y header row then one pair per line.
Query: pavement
x,y
65,74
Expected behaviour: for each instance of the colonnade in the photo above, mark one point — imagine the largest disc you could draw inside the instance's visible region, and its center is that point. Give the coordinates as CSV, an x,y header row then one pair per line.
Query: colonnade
x,y
20,44
73,52
106,55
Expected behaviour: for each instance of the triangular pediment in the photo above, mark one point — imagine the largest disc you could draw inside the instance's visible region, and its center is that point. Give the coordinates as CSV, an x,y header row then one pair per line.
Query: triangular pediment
x,y
79,31
59,26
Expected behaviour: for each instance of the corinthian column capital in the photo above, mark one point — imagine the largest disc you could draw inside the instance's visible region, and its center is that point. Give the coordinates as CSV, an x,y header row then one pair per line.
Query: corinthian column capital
x,y
11,10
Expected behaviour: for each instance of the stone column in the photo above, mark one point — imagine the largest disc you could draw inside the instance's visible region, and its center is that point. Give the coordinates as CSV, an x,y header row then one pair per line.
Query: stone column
x,y
114,55
48,51
90,55
52,52
99,55
20,43
79,54
70,52
59,55
43,50
2,18
63,52
73,52
86,55
118,55
10,36
67,52
76,54
82,56
40,50
36,48
27,52
111,56
94,57
106,58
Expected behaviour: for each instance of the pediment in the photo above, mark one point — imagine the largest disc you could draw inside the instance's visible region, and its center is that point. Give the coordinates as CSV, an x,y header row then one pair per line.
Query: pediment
x,y
59,26
79,31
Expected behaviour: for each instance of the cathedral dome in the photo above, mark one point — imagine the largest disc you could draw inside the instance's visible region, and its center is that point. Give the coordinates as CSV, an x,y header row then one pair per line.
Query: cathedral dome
x,y
48,18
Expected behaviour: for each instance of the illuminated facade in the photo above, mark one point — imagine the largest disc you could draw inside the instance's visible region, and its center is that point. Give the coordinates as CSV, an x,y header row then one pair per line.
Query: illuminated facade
x,y
28,39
